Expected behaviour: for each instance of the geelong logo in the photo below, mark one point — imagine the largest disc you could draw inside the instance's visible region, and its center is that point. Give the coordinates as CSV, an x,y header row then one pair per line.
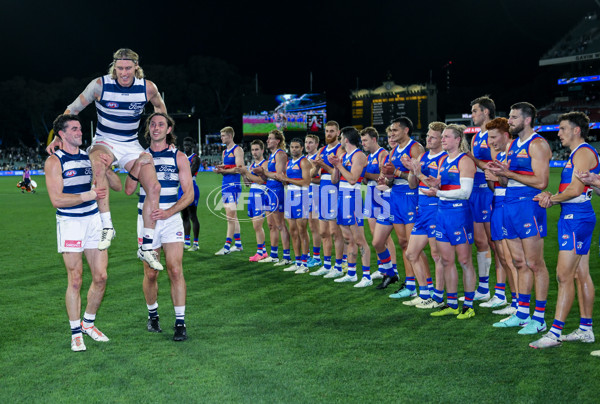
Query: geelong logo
x,y
112,104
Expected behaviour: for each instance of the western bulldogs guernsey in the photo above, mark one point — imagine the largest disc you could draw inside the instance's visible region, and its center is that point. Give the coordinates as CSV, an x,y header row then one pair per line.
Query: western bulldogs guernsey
x,y
499,190
167,172
373,161
430,165
256,198
347,163
77,179
293,169
272,168
327,191
450,179
577,218
349,197
482,152
581,203
519,161
231,180
313,189
120,109
497,229
191,159
296,198
255,165
373,196
325,153
401,185
454,222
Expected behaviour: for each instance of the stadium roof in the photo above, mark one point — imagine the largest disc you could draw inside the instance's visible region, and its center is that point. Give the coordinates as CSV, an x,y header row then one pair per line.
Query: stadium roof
x,y
580,44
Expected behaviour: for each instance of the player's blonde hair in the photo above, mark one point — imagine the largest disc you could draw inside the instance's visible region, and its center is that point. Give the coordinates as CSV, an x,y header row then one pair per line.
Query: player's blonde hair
x,y
313,137
279,136
459,132
228,130
437,126
126,54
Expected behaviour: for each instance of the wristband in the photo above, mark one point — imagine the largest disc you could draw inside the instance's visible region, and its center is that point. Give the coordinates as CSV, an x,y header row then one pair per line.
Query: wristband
x,y
132,177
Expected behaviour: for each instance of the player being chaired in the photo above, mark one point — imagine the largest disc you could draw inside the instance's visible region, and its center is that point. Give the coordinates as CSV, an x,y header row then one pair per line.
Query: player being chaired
x,y
120,97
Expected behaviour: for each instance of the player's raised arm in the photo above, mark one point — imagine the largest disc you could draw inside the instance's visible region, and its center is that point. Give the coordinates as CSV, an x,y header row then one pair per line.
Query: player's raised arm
x,y
155,98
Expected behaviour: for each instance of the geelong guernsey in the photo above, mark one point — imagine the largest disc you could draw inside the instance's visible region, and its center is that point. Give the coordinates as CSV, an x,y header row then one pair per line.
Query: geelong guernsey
x,y
167,172
120,109
77,179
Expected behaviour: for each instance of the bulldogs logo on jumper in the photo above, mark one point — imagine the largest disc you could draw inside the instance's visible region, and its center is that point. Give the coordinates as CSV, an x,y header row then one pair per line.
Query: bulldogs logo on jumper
x,y
522,154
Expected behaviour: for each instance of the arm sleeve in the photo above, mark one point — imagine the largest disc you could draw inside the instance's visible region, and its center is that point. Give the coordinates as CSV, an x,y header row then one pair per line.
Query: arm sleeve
x,y
89,95
464,192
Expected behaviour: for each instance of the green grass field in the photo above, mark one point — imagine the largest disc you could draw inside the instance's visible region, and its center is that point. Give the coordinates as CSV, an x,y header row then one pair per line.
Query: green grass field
x,y
256,334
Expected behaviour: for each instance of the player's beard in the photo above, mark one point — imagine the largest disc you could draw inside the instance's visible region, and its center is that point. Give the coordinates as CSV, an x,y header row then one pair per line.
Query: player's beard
x,y
516,130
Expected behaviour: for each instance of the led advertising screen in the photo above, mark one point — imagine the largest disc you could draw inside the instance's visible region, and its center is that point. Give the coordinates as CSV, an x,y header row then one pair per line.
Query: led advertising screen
x,y
286,112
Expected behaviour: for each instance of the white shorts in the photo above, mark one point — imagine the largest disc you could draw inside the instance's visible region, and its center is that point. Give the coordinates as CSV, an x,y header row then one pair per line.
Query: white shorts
x,y
124,152
75,234
166,231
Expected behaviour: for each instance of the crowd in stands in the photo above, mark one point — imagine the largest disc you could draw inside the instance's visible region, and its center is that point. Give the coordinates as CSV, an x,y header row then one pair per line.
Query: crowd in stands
x,y
581,40
17,157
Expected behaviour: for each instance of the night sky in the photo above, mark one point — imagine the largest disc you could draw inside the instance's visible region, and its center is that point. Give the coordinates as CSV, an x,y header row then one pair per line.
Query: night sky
x,y
487,41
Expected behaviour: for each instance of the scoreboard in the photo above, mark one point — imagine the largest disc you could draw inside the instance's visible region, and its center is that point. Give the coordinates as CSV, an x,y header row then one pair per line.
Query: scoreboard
x,y
378,110
384,110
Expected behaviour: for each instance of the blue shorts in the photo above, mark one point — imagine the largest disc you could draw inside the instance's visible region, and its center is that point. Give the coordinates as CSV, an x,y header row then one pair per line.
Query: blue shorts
x,y
196,194
403,207
454,223
296,203
257,202
328,200
349,210
524,218
231,192
481,204
375,203
276,197
426,221
313,198
575,230
497,223
385,216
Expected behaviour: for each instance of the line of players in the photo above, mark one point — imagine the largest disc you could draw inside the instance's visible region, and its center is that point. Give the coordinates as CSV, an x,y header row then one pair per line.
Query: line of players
x,y
445,196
